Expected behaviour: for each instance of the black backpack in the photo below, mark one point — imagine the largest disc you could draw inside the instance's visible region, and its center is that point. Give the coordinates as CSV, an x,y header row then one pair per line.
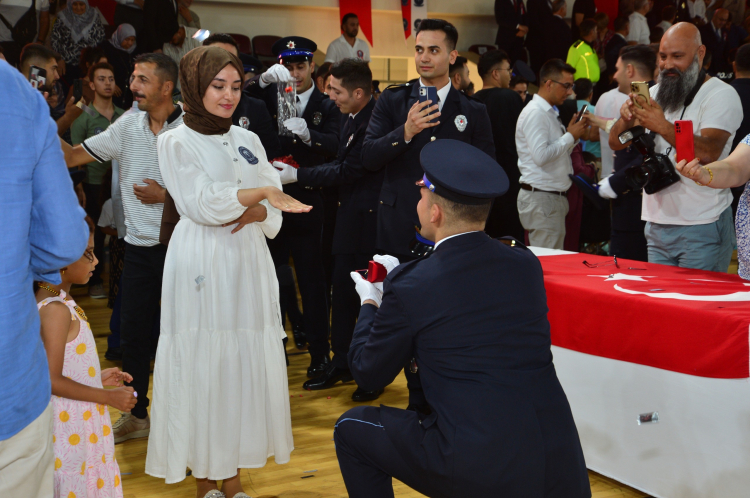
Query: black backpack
x,y
25,29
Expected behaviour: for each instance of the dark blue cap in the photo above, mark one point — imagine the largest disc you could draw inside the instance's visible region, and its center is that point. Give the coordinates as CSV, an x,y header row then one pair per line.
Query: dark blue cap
x,y
250,64
294,49
461,173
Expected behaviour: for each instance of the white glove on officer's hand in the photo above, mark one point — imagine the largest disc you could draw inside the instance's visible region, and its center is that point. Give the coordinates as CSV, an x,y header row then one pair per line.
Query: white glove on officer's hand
x,y
275,73
367,290
389,262
288,174
298,126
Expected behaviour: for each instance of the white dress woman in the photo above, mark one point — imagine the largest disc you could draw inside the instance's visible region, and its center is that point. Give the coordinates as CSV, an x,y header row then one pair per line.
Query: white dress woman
x,y
220,399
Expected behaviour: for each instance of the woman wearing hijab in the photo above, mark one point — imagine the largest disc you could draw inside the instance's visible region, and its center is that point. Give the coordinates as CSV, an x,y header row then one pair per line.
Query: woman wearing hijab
x,y
77,26
221,401
119,50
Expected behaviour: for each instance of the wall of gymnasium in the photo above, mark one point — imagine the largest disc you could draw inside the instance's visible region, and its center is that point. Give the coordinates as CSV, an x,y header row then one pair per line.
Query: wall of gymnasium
x,y
319,21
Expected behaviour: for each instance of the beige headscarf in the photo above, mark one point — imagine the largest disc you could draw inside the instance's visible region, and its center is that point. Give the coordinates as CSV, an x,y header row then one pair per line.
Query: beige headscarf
x,y
198,68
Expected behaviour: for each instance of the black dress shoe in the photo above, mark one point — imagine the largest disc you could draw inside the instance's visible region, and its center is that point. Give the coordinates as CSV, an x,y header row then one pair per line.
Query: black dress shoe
x,y
362,395
318,366
331,376
300,339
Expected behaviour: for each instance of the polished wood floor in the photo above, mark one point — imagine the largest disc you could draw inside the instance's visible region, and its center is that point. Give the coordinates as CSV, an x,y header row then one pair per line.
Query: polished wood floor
x,y
313,471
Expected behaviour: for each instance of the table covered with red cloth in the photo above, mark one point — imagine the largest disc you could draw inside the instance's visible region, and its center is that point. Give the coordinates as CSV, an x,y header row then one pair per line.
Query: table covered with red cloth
x,y
689,321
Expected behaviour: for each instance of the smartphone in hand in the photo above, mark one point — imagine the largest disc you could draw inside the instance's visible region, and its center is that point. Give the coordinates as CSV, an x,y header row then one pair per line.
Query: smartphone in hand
x,y
428,93
38,78
640,88
684,145
582,112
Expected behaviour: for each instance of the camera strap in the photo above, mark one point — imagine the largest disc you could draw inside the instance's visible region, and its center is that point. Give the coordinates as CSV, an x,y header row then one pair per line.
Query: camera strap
x,y
688,101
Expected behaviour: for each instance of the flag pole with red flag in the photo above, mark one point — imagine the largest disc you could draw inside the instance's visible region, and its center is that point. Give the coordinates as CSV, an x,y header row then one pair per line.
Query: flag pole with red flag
x,y
363,11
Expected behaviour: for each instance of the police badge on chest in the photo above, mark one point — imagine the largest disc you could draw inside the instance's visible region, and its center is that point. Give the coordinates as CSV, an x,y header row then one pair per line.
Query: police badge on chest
x,y
244,123
317,118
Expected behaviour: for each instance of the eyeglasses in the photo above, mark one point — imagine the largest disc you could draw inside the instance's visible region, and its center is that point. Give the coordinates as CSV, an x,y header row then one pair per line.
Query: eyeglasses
x,y
613,261
509,69
522,93
566,86
89,255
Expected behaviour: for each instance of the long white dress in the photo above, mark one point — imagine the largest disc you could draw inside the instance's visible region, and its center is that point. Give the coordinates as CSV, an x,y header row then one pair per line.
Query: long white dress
x,y
221,398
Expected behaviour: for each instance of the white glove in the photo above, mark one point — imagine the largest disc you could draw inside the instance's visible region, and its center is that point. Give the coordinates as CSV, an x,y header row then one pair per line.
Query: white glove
x,y
367,290
605,189
298,126
288,174
275,73
389,262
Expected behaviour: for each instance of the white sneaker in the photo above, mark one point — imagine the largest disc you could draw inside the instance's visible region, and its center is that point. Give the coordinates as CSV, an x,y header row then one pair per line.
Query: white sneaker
x,y
130,427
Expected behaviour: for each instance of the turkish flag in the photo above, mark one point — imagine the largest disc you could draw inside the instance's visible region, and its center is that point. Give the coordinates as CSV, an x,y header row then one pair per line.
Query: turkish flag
x,y
694,322
107,8
363,10
609,7
413,11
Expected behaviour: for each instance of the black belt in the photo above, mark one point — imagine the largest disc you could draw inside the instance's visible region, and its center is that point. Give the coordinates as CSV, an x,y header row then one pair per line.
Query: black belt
x,y
528,187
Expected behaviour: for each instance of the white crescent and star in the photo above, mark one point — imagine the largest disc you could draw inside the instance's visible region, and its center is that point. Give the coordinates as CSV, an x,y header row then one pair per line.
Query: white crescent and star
x,y
738,296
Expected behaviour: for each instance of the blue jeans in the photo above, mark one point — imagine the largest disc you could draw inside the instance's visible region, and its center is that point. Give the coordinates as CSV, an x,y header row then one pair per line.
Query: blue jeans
x,y
703,247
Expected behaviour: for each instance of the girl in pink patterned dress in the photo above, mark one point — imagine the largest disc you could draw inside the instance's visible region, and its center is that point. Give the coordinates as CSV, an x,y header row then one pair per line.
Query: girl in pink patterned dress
x,y
85,465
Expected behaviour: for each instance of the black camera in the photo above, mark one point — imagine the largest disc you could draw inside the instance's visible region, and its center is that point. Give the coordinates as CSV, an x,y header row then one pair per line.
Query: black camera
x,y
656,172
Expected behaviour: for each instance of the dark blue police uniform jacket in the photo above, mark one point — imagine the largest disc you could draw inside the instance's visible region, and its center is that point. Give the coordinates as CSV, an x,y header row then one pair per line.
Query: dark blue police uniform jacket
x,y
356,217
323,119
474,316
251,114
385,147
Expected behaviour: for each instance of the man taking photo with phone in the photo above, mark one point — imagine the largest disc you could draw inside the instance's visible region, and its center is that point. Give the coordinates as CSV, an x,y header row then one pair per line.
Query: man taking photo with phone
x,y
688,225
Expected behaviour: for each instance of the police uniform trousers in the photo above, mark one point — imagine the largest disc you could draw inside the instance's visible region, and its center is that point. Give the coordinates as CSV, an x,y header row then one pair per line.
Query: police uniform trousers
x,y
300,237
345,304
627,238
368,459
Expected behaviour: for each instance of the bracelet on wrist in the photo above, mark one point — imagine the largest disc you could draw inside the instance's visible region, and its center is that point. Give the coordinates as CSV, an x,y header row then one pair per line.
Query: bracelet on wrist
x,y
711,174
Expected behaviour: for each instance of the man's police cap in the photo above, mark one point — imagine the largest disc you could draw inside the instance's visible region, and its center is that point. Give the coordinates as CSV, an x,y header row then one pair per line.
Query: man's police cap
x,y
461,173
294,49
251,64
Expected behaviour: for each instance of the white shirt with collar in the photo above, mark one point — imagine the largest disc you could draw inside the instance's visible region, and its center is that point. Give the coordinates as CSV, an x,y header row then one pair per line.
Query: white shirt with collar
x,y
450,237
304,98
544,147
340,49
639,30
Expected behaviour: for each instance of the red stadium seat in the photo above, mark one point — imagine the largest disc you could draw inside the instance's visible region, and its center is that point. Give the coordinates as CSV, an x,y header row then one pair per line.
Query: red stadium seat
x,y
243,41
262,48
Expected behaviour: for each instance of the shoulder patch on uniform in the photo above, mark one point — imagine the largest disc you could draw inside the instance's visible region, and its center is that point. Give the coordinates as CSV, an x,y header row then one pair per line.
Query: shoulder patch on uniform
x,y
400,86
511,242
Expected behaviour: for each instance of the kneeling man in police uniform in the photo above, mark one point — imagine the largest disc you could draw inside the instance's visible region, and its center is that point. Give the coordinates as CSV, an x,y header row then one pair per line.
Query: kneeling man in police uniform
x,y
472,318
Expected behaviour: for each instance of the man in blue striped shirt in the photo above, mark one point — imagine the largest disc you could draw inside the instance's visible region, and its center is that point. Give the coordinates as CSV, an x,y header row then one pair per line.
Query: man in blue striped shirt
x,y
43,230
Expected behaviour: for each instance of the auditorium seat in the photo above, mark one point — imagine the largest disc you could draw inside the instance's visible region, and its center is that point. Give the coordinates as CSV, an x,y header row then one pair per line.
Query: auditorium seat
x,y
262,48
243,42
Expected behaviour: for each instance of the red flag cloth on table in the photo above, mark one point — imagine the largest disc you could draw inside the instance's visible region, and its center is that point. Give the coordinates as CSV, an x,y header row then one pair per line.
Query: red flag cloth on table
x,y
363,10
609,7
413,11
694,322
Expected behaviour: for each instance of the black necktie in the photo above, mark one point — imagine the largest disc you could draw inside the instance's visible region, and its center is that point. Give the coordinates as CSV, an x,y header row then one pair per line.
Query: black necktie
x,y
349,127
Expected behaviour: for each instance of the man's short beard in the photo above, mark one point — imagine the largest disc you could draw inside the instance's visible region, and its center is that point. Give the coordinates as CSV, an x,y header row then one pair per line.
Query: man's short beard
x,y
673,90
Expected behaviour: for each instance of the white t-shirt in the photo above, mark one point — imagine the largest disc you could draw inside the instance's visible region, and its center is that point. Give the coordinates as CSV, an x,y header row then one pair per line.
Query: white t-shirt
x,y
608,106
107,216
340,49
717,106
12,10
639,31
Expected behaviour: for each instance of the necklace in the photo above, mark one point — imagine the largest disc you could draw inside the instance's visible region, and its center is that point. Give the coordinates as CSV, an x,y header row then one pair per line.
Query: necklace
x,y
57,293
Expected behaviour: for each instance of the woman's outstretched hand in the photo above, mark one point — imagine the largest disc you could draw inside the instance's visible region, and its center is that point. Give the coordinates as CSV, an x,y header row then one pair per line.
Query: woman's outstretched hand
x,y
286,203
694,171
